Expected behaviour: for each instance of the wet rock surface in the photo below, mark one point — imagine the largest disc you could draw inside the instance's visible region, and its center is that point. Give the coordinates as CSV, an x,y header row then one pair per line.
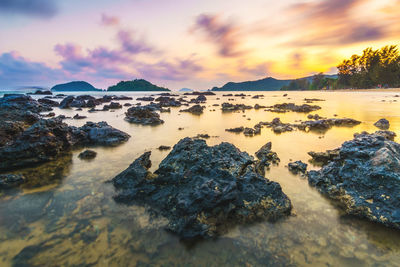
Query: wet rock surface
x,y
143,115
226,107
10,180
87,154
202,189
47,139
297,167
364,178
382,124
285,107
196,110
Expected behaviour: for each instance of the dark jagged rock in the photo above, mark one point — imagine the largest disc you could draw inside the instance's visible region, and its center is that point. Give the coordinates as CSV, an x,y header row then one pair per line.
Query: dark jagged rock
x,y
48,102
66,102
325,124
41,92
122,97
204,136
143,115
382,124
48,139
164,148
257,96
387,134
305,108
101,133
257,106
202,190
297,167
235,130
79,117
11,180
324,157
112,105
200,93
266,154
145,98
166,101
196,109
87,154
234,107
364,178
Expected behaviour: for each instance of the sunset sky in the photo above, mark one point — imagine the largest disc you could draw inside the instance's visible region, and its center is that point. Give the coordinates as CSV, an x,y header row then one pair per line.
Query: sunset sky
x,y
185,43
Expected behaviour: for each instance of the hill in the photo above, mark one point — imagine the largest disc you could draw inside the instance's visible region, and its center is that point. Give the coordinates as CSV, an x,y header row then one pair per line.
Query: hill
x,y
185,90
74,86
267,84
136,85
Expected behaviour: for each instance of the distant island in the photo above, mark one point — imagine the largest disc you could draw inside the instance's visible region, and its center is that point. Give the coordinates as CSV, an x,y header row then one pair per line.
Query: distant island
x,y
74,86
267,84
185,90
136,85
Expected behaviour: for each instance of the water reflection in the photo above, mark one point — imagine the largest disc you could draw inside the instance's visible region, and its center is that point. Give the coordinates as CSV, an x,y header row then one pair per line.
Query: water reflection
x,y
65,214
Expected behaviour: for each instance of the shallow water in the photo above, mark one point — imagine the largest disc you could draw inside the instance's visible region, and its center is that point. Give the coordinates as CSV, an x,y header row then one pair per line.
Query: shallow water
x,y
66,215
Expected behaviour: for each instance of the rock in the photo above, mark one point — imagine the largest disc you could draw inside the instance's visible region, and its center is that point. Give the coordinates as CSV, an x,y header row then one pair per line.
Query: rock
x,y
325,124
143,115
248,131
324,157
297,167
364,178
201,98
235,130
41,92
164,148
66,102
257,96
112,105
11,180
87,154
305,108
387,134
382,124
204,136
101,133
145,98
200,93
48,102
202,190
48,139
79,117
257,106
234,107
196,110
265,154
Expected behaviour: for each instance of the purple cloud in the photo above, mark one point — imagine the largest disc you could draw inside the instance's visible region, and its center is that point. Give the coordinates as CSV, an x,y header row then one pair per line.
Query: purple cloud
x,y
222,34
129,44
178,70
259,70
37,8
17,71
109,20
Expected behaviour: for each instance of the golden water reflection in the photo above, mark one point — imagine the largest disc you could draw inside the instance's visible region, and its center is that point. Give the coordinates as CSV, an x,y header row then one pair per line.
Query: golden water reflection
x,y
71,219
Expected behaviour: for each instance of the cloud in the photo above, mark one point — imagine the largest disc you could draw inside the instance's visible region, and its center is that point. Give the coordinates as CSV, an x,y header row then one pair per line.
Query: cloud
x,y
130,45
37,8
222,34
16,70
177,70
109,20
334,22
259,70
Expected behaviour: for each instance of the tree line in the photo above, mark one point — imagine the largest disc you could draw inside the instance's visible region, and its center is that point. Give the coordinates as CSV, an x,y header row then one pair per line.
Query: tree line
x,y
373,69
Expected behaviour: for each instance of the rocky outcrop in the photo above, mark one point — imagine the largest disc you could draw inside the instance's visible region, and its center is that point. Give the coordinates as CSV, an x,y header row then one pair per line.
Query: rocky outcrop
x,y
226,107
382,124
297,167
235,130
143,115
10,180
202,190
364,179
285,107
47,139
322,158
196,110
87,154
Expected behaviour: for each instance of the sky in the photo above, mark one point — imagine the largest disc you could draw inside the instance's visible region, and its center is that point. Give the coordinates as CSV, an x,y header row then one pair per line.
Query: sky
x,y
185,43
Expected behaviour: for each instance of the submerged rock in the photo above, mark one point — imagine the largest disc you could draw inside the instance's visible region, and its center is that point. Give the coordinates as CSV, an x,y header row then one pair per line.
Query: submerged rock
x,y
143,115
11,180
305,108
234,107
202,189
47,139
235,130
382,124
297,167
364,178
87,154
196,109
